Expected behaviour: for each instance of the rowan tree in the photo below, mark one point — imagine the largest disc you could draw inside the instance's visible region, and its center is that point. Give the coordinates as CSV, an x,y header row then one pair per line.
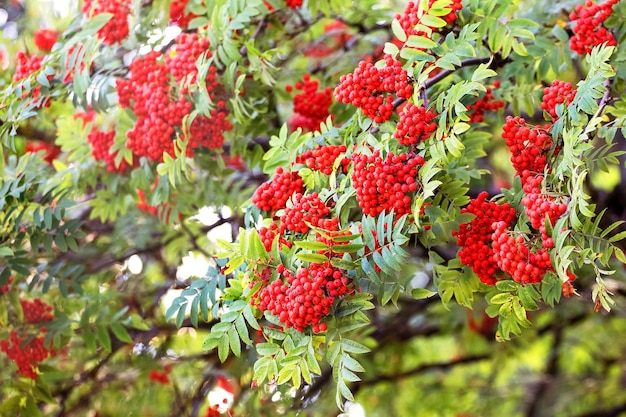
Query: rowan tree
x,y
313,208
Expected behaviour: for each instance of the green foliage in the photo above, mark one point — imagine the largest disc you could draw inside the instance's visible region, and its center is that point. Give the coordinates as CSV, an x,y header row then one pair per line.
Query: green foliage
x,y
70,230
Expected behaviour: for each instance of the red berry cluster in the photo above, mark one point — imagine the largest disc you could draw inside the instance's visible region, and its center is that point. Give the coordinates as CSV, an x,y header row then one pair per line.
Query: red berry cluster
x,y
589,30
412,16
45,39
27,352
147,92
385,185
311,107
273,195
209,131
5,288
161,376
116,29
160,107
475,237
101,143
306,210
538,205
268,234
560,92
181,61
487,103
178,14
513,256
304,299
25,67
86,116
373,89
143,205
51,150
416,124
294,4
322,158
529,145
36,311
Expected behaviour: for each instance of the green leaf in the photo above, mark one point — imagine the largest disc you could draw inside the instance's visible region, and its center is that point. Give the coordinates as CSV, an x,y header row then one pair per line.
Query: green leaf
x,y
420,42
121,333
420,293
312,257
223,347
351,346
103,337
397,30
267,349
234,341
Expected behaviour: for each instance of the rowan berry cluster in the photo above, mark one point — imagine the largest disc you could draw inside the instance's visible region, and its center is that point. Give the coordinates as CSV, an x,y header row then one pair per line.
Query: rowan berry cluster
x,y
51,151
305,298
45,39
294,4
488,102
182,58
513,256
322,158
306,211
27,352
589,30
416,124
36,311
101,143
412,16
273,195
539,205
116,29
178,14
209,131
147,93
160,107
475,237
143,205
310,107
268,234
529,146
373,89
523,256
5,288
385,185
25,66
560,92
162,377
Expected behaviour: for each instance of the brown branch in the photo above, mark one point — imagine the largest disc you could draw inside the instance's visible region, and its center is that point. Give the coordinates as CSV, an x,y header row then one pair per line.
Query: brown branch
x,y
439,366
